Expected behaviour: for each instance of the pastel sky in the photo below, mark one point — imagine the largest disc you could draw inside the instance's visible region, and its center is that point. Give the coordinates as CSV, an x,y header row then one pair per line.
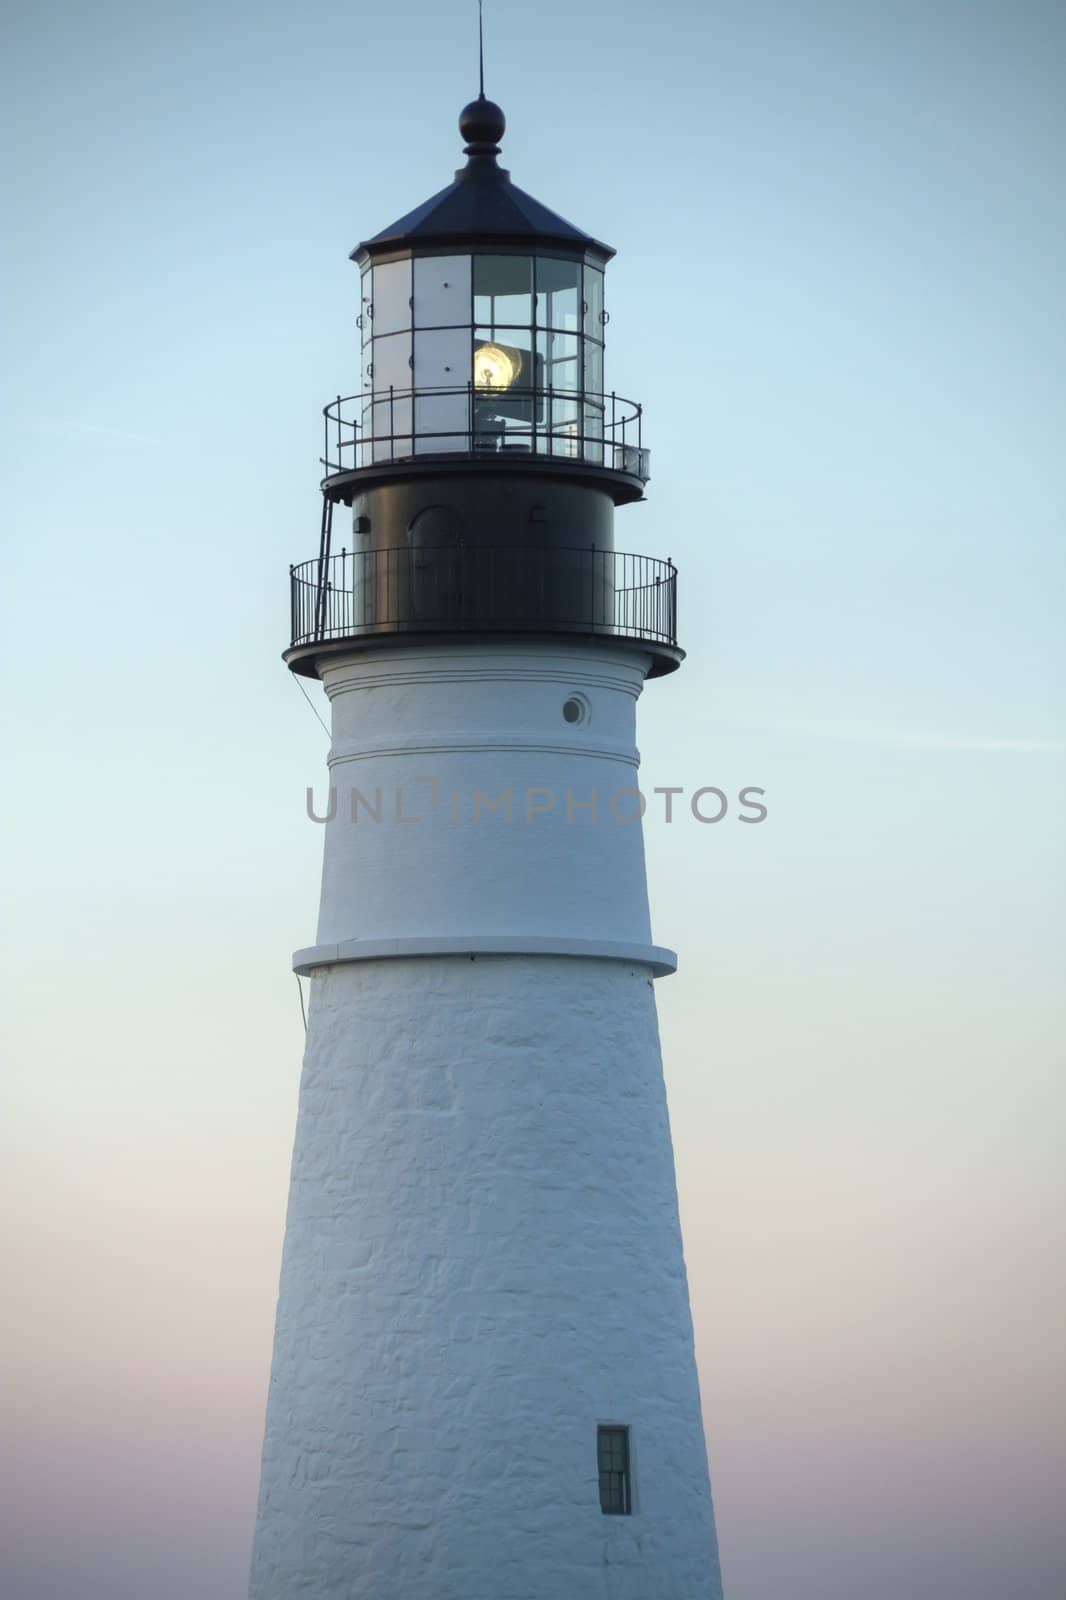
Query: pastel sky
x,y
838,294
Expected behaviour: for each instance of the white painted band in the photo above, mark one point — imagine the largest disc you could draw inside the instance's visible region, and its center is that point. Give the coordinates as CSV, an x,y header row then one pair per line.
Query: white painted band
x,y
660,961
494,664
430,747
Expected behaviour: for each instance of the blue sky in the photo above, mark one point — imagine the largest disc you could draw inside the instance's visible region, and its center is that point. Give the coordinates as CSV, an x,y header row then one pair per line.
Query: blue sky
x,y
838,295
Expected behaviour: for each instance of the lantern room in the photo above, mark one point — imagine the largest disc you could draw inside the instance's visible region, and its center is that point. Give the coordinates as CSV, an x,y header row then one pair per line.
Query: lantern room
x,y
504,344
482,324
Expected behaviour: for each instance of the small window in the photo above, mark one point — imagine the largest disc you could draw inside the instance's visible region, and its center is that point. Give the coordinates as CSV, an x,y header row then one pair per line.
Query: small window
x,y
612,1452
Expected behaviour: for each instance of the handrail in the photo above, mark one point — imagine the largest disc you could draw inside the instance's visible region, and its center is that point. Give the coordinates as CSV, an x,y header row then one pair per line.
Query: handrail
x,y
396,424
484,589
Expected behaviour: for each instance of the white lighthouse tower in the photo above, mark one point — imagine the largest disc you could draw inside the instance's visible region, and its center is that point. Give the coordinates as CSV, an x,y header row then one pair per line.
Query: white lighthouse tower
x,y
483,1382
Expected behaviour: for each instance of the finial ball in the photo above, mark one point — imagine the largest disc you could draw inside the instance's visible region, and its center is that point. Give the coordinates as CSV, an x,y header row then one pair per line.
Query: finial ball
x,y
482,122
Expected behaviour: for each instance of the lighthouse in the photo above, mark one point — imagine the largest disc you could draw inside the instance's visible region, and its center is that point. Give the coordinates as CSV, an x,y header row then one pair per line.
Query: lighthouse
x,y
483,1383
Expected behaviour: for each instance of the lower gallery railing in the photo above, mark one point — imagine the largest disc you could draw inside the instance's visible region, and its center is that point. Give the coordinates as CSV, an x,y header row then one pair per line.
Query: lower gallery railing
x,y
493,589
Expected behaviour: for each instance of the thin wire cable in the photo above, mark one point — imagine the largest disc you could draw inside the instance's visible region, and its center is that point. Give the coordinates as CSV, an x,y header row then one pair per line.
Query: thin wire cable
x,y
310,702
300,987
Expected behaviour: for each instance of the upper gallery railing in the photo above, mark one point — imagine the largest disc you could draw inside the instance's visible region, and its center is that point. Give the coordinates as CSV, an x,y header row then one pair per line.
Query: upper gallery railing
x,y
385,425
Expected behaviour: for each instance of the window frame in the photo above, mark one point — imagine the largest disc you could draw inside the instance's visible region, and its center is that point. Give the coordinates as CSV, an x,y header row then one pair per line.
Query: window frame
x,y
613,1434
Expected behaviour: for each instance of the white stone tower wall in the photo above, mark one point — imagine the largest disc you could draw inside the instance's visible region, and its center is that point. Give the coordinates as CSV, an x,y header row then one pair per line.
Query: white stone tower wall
x,y
482,1262
429,725
483,1259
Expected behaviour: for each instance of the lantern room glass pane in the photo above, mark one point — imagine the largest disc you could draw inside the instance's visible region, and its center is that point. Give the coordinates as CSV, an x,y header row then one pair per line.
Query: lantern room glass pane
x,y
441,291
365,320
565,419
593,367
558,288
392,297
593,302
442,421
560,360
503,291
442,359
592,432
391,359
391,428
442,381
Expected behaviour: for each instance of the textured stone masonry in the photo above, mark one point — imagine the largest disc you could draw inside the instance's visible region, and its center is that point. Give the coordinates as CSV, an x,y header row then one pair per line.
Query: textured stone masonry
x,y
482,1262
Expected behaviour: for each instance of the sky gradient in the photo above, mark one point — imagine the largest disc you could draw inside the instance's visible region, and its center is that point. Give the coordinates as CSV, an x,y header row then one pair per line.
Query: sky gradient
x,y
839,296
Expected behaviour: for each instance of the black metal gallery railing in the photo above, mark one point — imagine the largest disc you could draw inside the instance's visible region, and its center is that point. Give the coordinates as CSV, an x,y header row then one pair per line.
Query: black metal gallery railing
x,y
392,424
484,589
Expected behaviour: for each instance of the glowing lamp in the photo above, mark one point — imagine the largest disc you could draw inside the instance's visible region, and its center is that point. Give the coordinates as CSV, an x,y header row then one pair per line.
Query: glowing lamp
x,y
496,366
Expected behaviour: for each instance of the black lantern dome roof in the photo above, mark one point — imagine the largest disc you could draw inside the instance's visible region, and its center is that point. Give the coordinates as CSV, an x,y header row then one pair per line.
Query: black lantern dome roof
x,y
482,205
